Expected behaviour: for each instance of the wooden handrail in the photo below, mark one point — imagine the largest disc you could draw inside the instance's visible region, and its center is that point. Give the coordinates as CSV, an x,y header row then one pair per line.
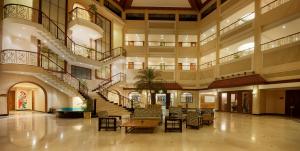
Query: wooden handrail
x,y
208,37
280,38
237,20
269,4
236,53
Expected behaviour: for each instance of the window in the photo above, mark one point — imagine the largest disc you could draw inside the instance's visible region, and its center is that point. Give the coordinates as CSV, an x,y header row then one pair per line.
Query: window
x,y
113,8
81,73
188,17
135,16
209,99
186,97
161,16
135,96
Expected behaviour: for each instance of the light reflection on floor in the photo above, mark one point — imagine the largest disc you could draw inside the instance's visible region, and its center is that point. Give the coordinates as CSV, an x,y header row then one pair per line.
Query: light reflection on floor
x,y
38,131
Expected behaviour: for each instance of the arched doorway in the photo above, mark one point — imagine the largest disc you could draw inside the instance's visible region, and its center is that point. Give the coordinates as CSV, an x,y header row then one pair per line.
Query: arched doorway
x,y
27,96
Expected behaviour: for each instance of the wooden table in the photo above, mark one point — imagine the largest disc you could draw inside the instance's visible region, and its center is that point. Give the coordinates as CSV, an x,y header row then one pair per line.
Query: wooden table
x,y
140,124
173,124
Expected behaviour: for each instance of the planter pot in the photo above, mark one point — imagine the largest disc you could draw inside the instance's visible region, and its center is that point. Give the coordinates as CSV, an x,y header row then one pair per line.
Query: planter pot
x,y
87,115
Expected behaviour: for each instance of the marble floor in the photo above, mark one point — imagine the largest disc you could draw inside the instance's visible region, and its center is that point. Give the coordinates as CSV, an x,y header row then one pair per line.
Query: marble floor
x,y
24,131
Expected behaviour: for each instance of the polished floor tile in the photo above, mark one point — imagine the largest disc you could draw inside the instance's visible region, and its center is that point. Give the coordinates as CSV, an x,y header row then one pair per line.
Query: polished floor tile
x,y
24,131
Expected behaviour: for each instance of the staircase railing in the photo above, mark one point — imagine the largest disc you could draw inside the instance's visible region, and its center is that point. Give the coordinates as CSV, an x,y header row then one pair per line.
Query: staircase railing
x,y
103,90
11,56
37,16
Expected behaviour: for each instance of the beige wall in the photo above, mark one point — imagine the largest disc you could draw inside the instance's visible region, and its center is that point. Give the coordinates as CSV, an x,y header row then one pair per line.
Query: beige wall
x,y
55,98
39,100
273,101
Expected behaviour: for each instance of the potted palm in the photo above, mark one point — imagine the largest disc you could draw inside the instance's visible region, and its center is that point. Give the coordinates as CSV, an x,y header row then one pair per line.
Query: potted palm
x,y
145,81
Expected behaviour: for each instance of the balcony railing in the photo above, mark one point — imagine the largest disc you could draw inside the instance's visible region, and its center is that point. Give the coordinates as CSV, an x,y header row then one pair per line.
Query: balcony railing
x,y
236,55
208,39
162,67
91,16
187,44
161,44
208,64
239,22
272,5
281,41
11,56
134,43
187,67
35,15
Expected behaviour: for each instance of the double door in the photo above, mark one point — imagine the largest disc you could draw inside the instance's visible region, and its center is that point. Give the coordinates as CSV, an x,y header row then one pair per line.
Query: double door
x,y
236,101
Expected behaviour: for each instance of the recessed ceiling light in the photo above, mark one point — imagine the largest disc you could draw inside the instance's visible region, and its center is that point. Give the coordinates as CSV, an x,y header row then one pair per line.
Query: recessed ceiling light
x,y
283,26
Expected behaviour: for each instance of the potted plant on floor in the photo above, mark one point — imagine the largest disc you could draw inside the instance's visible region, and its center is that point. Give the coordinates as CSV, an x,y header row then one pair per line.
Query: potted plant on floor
x,y
88,107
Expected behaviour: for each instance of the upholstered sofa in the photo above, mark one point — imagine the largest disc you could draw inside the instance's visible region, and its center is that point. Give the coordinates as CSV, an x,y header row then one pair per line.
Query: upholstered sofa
x,y
147,113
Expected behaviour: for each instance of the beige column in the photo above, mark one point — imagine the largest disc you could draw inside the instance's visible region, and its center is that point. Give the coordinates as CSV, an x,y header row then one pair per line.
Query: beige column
x,y
218,41
176,73
1,24
256,100
218,38
257,59
146,38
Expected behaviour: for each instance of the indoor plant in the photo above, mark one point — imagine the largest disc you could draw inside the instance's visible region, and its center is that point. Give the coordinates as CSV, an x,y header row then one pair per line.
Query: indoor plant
x,y
88,107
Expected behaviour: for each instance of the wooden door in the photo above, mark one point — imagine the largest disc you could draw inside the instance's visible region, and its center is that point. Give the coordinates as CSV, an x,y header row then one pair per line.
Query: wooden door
x,y
292,103
11,100
168,100
179,66
153,101
193,66
239,102
130,65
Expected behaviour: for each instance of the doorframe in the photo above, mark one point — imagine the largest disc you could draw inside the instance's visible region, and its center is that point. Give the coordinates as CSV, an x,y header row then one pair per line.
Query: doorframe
x,y
239,92
45,93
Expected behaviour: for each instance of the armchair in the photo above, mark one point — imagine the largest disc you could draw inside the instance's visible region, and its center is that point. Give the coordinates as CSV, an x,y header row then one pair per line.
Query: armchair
x,y
193,119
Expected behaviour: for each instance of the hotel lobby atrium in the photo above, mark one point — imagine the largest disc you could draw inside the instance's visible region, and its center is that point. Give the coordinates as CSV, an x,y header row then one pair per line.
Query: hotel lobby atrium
x,y
144,75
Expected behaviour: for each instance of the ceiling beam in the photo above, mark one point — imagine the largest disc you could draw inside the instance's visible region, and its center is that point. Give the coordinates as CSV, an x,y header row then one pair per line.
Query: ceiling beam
x,y
127,4
194,4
